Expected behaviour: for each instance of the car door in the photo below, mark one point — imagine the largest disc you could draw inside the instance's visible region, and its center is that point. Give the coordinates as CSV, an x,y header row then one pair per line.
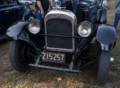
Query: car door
x,y
10,12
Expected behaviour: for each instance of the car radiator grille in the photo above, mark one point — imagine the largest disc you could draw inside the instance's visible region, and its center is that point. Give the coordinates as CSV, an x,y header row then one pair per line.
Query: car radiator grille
x,y
59,34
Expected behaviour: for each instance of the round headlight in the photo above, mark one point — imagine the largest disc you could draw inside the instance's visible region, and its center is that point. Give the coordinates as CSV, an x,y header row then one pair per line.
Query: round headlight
x,y
105,3
34,27
85,29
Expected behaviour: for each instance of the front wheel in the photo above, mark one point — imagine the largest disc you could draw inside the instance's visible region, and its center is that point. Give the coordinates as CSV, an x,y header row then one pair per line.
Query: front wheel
x,y
19,56
104,66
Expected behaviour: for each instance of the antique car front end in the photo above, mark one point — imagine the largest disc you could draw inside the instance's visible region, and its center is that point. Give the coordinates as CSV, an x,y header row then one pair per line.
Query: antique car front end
x,y
65,40
66,36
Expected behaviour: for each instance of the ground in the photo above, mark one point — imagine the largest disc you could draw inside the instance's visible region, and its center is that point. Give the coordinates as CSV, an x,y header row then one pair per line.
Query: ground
x,y
39,78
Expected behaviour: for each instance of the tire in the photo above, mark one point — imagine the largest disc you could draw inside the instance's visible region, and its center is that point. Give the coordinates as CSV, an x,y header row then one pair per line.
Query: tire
x,y
104,66
18,56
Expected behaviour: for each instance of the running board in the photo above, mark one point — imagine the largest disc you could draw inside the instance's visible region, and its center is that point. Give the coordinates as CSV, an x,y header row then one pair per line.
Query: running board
x,y
54,68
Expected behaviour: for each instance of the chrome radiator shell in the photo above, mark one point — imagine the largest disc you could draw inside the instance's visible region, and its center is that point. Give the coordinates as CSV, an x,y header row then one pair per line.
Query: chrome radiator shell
x,y
64,15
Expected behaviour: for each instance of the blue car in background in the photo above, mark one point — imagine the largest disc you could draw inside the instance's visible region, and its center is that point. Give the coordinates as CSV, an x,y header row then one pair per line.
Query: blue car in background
x,y
10,12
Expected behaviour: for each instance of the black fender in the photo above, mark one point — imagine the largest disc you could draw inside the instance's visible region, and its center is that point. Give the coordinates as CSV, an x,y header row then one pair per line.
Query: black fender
x,y
24,36
17,33
14,31
106,36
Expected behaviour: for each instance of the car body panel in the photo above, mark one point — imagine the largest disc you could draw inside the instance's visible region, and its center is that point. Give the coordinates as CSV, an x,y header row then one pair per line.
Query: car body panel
x,y
15,30
106,35
9,14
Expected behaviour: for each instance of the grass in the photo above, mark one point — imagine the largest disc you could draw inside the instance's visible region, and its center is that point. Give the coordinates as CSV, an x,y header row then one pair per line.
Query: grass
x,y
38,78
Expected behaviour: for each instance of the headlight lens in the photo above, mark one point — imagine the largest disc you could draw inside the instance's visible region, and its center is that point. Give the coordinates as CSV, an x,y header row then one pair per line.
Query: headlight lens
x,y
34,26
85,29
105,3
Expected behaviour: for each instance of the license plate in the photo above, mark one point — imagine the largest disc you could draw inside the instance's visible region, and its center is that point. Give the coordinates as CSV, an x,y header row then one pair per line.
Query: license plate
x,y
53,57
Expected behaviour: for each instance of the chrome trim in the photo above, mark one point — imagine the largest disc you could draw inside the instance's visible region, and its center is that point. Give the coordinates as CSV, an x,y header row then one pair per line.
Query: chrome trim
x,y
59,14
62,14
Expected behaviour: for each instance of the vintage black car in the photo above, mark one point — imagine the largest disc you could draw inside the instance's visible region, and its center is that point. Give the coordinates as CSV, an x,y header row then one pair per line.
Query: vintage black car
x,y
75,34
10,12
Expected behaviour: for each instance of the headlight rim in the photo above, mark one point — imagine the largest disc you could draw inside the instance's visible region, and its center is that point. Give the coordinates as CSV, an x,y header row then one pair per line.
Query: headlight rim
x,y
81,27
34,26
